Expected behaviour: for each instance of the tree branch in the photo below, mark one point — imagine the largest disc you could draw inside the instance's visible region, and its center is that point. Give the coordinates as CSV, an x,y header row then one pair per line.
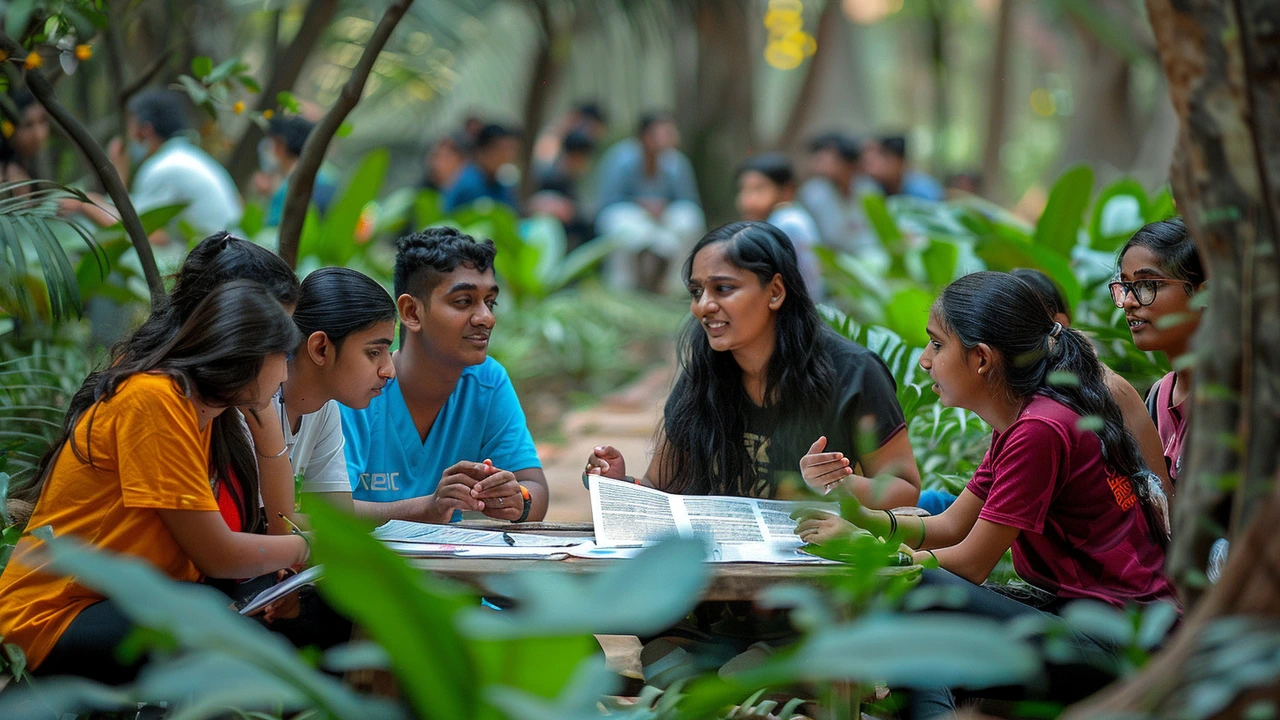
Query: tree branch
x,y
98,160
145,77
286,66
303,179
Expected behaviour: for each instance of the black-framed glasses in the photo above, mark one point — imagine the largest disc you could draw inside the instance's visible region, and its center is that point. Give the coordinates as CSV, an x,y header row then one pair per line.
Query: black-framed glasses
x,y
1144,291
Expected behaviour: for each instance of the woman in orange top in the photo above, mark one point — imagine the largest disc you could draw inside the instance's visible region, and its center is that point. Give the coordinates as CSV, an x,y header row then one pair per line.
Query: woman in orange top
x,y
132,473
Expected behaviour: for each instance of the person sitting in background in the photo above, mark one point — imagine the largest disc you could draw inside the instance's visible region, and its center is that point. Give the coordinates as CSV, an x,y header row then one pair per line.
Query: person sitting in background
x,y
833,194
1132,408
277,156
766,189
496,147
170,170
885,160
647,197
23,139
444,162
586,118
447,434
557,190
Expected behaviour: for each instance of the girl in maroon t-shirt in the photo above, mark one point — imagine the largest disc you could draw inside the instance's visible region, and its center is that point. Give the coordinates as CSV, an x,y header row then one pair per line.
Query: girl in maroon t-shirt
x,y
1160,270
1059,495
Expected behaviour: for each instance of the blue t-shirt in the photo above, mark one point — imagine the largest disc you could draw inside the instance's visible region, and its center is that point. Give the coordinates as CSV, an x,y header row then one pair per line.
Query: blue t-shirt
x,y
472,185
387,461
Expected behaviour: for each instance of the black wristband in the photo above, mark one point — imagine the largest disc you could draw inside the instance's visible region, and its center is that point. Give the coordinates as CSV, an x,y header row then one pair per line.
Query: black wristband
x,y
528,503
893,524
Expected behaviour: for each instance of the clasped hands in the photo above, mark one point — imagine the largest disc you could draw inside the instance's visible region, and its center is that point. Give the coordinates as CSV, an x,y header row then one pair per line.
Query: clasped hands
x,y
476,486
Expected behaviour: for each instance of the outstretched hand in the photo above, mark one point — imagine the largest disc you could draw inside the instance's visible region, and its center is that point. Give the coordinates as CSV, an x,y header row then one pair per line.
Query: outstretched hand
x,y
605,461
823,470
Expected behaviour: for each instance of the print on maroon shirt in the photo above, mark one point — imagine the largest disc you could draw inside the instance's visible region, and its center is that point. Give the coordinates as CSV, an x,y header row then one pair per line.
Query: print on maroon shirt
x,y
1083,535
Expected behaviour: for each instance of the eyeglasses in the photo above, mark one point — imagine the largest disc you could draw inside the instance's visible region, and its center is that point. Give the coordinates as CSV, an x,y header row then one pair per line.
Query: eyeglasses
x,y
1144,291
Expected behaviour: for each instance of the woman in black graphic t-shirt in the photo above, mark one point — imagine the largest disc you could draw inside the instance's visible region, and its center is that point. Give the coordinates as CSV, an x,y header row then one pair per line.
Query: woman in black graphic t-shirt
x,y
763,382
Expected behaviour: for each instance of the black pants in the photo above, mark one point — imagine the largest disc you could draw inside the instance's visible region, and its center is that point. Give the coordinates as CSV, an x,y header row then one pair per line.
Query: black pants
x,y
1063,683
88,647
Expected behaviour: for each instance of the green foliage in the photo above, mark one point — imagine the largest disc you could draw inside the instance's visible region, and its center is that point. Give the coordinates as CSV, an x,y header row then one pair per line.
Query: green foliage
x,y
35,390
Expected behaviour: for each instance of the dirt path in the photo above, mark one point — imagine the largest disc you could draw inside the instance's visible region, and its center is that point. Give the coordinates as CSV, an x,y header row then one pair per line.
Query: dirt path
x,y
625,420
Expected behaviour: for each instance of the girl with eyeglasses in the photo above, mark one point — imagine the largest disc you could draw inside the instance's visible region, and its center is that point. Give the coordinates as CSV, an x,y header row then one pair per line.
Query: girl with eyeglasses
x,y
1160,270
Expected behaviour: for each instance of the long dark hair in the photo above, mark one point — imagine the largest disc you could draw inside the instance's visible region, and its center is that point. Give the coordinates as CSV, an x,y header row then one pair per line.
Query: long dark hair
x,y
704,418
213,356
218,259
338,301
1007,314
1177,252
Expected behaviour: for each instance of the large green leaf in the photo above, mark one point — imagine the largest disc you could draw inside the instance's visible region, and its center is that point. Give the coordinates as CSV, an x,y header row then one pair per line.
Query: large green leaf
x,y
1002,254
339,226
882,222
1059,226
939,260
1121,208
196,618
642,596
406,611
908,313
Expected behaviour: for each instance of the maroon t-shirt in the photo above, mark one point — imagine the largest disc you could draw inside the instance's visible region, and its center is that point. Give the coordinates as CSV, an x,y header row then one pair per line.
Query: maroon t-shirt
x,y
1171,424
1083,532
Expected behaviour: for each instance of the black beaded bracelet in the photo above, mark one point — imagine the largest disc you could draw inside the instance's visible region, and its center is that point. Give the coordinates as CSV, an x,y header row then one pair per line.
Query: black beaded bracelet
x,y
893,524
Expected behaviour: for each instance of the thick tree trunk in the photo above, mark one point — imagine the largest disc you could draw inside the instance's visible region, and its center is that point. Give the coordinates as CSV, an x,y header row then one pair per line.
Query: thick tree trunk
x,y
998,103
1220,58
1102,131
717,106
548,67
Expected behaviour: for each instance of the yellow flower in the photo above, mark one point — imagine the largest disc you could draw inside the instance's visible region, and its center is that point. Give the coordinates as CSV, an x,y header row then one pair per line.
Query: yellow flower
x,y
268,114
33,61
238,107
84,52
6,129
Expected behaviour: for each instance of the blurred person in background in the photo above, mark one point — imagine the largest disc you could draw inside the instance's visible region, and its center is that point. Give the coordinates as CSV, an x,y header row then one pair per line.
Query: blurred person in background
x,y
277,156
23,139
885,160
445,159
648,197
766,189
496,148
833,194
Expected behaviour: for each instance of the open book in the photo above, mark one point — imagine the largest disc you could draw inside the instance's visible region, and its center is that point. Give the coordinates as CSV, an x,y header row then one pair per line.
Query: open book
x,y
737,529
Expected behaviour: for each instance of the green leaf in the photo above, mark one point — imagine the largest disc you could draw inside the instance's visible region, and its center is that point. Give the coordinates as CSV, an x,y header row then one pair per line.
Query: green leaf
x,y
1059,225
224,70
882,222
1161,206
197,92
406,611
1121,208
287,101
916,650
940,260
908,313
1004,254
250,84
253,219
617,600
339,226
344,130
16,18
201,67
197,617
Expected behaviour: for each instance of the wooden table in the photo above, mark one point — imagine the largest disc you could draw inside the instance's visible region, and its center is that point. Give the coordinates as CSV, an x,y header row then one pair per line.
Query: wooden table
x,y
730,581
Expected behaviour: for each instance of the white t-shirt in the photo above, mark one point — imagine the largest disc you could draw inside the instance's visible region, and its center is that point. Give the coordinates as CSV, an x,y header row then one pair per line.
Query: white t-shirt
x,y
180,172
798,224
317,451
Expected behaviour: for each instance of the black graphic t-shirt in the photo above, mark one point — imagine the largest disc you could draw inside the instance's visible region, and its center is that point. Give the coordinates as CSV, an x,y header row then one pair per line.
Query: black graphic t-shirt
x,y
863,412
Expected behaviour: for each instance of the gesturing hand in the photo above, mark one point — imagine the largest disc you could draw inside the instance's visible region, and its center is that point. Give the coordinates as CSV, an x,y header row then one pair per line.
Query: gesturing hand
x,y
606,461
454,491
823,470
500,494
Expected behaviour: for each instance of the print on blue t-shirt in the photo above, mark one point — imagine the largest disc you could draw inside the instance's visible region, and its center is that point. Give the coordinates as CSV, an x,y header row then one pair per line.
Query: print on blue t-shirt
x,y
482,418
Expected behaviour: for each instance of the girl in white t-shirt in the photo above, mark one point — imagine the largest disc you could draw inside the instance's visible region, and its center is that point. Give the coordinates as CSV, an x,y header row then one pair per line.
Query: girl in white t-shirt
x,y
347,321
766,189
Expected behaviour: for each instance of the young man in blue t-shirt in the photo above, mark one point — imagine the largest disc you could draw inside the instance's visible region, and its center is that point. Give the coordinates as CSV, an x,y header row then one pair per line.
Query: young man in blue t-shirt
x,y
447,434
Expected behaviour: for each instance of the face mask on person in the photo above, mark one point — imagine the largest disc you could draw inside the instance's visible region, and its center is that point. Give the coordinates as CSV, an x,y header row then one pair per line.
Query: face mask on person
x,y
138,151
267,160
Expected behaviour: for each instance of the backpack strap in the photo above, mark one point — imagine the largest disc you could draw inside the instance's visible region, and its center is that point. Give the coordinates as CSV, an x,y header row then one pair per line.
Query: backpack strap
x,y
1153,402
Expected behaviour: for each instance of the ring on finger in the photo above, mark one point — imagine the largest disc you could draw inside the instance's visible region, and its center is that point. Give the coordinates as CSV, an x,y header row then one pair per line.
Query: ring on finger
x,y
499,501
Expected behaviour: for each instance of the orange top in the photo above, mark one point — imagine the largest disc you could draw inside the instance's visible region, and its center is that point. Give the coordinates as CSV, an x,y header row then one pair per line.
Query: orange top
x,y
148,454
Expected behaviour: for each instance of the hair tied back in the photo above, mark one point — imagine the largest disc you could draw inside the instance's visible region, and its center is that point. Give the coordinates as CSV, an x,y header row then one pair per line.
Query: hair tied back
x,y
1056,331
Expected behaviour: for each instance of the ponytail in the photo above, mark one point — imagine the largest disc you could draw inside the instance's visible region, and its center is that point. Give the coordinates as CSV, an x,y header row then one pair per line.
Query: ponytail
x,y
1040,357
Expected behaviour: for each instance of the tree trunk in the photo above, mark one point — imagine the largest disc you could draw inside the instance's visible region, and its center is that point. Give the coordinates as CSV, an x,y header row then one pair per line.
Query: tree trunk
x,y
937,17
998,104
284,74
805,103
303,179
548,67
719,120
1220,59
